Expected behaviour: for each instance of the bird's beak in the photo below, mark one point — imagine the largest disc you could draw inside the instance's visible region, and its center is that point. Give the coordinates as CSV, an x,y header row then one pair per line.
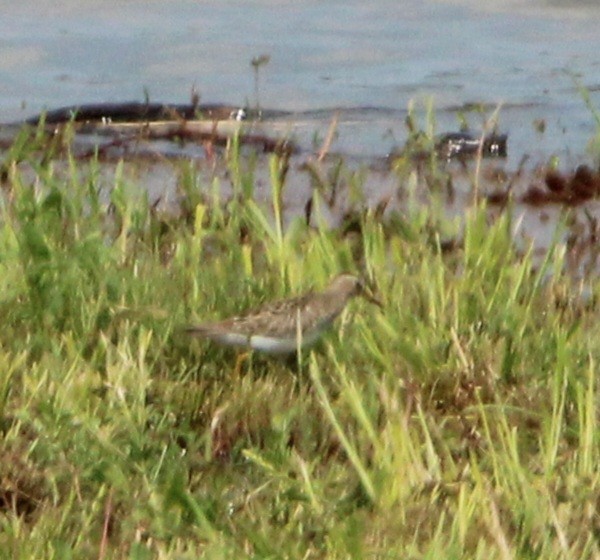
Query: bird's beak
x,y
372,299
367,293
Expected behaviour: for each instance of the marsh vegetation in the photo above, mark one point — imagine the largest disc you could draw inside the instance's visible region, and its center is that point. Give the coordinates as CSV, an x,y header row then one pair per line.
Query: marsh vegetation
x,y
460,420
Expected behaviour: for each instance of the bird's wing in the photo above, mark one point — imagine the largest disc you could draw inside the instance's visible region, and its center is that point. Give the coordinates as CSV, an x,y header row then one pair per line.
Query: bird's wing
x,y
219,332
268,320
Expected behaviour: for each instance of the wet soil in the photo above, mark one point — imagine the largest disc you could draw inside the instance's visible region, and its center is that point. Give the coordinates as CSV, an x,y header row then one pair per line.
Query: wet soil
x,y
322,184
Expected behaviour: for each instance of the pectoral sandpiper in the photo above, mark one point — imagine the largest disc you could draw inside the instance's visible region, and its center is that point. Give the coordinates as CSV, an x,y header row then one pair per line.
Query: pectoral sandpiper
x,y
285,326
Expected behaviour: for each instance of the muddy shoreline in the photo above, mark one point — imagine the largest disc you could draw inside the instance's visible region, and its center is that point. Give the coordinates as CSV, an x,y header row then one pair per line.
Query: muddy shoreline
x,y
153,143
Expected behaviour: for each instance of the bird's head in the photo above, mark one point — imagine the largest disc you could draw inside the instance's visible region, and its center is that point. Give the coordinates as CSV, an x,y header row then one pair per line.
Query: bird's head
x,y
349,286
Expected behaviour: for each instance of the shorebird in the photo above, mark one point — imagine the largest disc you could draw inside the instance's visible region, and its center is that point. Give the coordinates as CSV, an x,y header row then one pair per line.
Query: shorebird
x,y
282,327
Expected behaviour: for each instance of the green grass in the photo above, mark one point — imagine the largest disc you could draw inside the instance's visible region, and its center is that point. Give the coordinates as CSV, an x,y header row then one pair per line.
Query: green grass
x,y
460,421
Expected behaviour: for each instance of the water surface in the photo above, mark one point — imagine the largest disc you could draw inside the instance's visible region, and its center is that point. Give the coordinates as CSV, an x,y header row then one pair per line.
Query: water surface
x,y
373,59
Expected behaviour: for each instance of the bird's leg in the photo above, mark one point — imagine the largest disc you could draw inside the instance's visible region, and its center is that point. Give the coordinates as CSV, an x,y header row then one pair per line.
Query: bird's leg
x,y
241,358
298,341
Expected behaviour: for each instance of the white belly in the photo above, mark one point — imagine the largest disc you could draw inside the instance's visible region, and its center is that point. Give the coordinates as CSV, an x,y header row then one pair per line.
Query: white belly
x,y
272,345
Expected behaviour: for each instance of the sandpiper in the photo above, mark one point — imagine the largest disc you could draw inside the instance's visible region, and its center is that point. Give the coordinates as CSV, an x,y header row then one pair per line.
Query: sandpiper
x,y
284,326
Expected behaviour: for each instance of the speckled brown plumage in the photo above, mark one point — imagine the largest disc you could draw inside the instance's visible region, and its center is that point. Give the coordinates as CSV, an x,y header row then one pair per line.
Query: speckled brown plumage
x,y
282,326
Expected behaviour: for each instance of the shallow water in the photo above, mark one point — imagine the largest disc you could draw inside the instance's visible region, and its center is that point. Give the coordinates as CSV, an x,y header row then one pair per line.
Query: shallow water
x,y
526,59
373,59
